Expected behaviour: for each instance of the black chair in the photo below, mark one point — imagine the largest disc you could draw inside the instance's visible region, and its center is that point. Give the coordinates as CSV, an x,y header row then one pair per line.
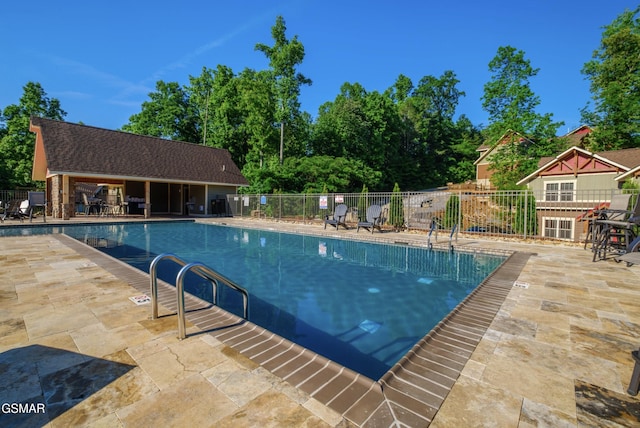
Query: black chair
x,y
372,220
16,208
339,217
614,235
615,210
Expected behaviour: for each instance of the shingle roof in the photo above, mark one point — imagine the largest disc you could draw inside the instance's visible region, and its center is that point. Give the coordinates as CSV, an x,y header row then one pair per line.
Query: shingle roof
x,y
577,136
79,149
626,157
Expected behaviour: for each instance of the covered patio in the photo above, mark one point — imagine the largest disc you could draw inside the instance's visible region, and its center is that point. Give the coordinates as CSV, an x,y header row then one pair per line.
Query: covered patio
x,y
130,174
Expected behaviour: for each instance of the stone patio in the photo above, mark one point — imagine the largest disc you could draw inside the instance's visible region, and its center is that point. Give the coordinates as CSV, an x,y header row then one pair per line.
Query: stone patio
x,y
558,353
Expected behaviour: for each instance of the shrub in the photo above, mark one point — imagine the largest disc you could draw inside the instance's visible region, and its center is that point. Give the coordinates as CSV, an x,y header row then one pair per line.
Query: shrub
x,y
396,209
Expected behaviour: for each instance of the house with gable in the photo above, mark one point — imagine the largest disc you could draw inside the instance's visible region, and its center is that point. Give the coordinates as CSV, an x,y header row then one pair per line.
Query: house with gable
x,y
571,183
577,137
485,151
148,175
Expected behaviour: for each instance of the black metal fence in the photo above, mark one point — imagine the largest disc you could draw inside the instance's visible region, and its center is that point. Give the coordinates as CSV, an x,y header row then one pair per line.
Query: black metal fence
x,y
522,214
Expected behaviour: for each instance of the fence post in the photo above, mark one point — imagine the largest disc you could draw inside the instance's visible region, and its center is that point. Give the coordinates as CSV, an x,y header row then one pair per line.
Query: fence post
x,y
526,212
459,214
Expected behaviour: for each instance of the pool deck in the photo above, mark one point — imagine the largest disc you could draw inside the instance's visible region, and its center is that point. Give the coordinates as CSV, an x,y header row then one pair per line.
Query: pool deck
x,y
556,352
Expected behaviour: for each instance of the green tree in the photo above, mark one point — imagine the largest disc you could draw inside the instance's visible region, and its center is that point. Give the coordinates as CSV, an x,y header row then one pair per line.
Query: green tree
x,y
257,104
614,74
169,114
463,152
284,56
509,99
511,104
408,151
18,143
451,212
218,94
525,219
363,202
396,209
342,128
310,174
435,100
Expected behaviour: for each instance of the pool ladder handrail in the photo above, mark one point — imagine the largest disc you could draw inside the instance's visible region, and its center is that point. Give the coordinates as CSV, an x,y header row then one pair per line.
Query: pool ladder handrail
x,y
199,269
434,227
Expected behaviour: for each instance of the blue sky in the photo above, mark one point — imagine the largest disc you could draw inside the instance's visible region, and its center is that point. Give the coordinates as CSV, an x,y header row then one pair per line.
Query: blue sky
x,y
101,59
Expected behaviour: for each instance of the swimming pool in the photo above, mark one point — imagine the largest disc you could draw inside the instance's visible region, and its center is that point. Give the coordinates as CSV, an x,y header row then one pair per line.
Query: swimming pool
x,y
363,305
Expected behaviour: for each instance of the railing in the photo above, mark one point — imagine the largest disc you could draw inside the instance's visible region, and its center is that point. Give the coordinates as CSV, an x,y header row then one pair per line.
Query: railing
x,y
524,214
199,269
8,195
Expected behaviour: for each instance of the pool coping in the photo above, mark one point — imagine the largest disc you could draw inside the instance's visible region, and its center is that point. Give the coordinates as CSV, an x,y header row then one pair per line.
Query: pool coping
x,y
410,393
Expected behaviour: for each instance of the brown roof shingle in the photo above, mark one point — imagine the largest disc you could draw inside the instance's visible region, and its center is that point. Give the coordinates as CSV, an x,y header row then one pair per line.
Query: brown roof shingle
x,y
81,149
625,157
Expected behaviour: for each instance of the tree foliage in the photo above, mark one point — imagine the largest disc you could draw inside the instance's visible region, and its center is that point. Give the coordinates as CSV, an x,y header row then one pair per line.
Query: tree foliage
x,y
451,212
284,56
17,142
396,209
168,114
525,219
310,174
614,74
511,104
509,99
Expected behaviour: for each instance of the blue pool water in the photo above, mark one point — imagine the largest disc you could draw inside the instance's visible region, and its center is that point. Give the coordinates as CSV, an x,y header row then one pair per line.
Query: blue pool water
x,y
363,305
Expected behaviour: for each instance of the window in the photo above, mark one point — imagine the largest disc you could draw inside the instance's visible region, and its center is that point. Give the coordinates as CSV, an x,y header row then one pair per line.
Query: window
x,y
558,228
559,191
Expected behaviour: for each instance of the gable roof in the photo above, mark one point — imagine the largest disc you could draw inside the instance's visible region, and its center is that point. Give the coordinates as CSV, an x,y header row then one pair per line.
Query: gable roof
x,y
585,161
509,136
577,136
632,173
80,150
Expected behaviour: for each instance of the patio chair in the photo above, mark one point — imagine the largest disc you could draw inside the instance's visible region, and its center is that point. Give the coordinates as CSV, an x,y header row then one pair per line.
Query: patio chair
x,y
604,211
615,210
16,208
632,253
614,235
339,217
372,220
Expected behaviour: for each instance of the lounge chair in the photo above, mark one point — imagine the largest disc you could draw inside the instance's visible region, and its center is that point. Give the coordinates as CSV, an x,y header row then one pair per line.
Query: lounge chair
x,y
615,235
339,217
632,253
17,209
373,219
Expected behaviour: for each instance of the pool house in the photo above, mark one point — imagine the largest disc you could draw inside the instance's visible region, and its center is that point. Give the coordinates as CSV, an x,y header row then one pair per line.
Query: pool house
x,y
89,170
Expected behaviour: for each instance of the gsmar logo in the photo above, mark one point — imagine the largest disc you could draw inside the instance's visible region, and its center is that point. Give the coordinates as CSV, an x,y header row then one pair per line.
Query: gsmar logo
x,y
23,408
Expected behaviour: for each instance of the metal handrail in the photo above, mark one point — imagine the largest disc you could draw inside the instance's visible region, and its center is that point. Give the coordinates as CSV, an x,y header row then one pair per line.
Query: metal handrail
x,y
434,226
153,275
199,269
453,230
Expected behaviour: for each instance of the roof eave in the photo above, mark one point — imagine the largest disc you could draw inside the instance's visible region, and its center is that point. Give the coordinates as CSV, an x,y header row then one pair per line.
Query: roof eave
x,y
136,178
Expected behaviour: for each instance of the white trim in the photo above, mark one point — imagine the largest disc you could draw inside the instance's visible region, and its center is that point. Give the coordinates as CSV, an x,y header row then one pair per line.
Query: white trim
x,y
535,173
627,174
572,221
559,192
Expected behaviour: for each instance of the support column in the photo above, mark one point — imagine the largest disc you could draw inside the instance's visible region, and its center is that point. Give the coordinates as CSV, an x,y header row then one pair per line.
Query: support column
x,y
56,196
66,206
147,199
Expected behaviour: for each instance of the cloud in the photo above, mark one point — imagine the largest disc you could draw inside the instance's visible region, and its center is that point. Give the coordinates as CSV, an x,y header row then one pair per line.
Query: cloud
x,y
93,73
131,94
72,95
201,50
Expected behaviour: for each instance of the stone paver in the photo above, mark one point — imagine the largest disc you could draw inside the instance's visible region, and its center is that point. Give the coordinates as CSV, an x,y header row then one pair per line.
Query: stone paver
x,y
557,353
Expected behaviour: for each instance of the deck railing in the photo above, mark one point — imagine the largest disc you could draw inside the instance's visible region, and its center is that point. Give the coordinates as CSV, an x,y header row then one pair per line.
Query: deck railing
x,y
523,214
